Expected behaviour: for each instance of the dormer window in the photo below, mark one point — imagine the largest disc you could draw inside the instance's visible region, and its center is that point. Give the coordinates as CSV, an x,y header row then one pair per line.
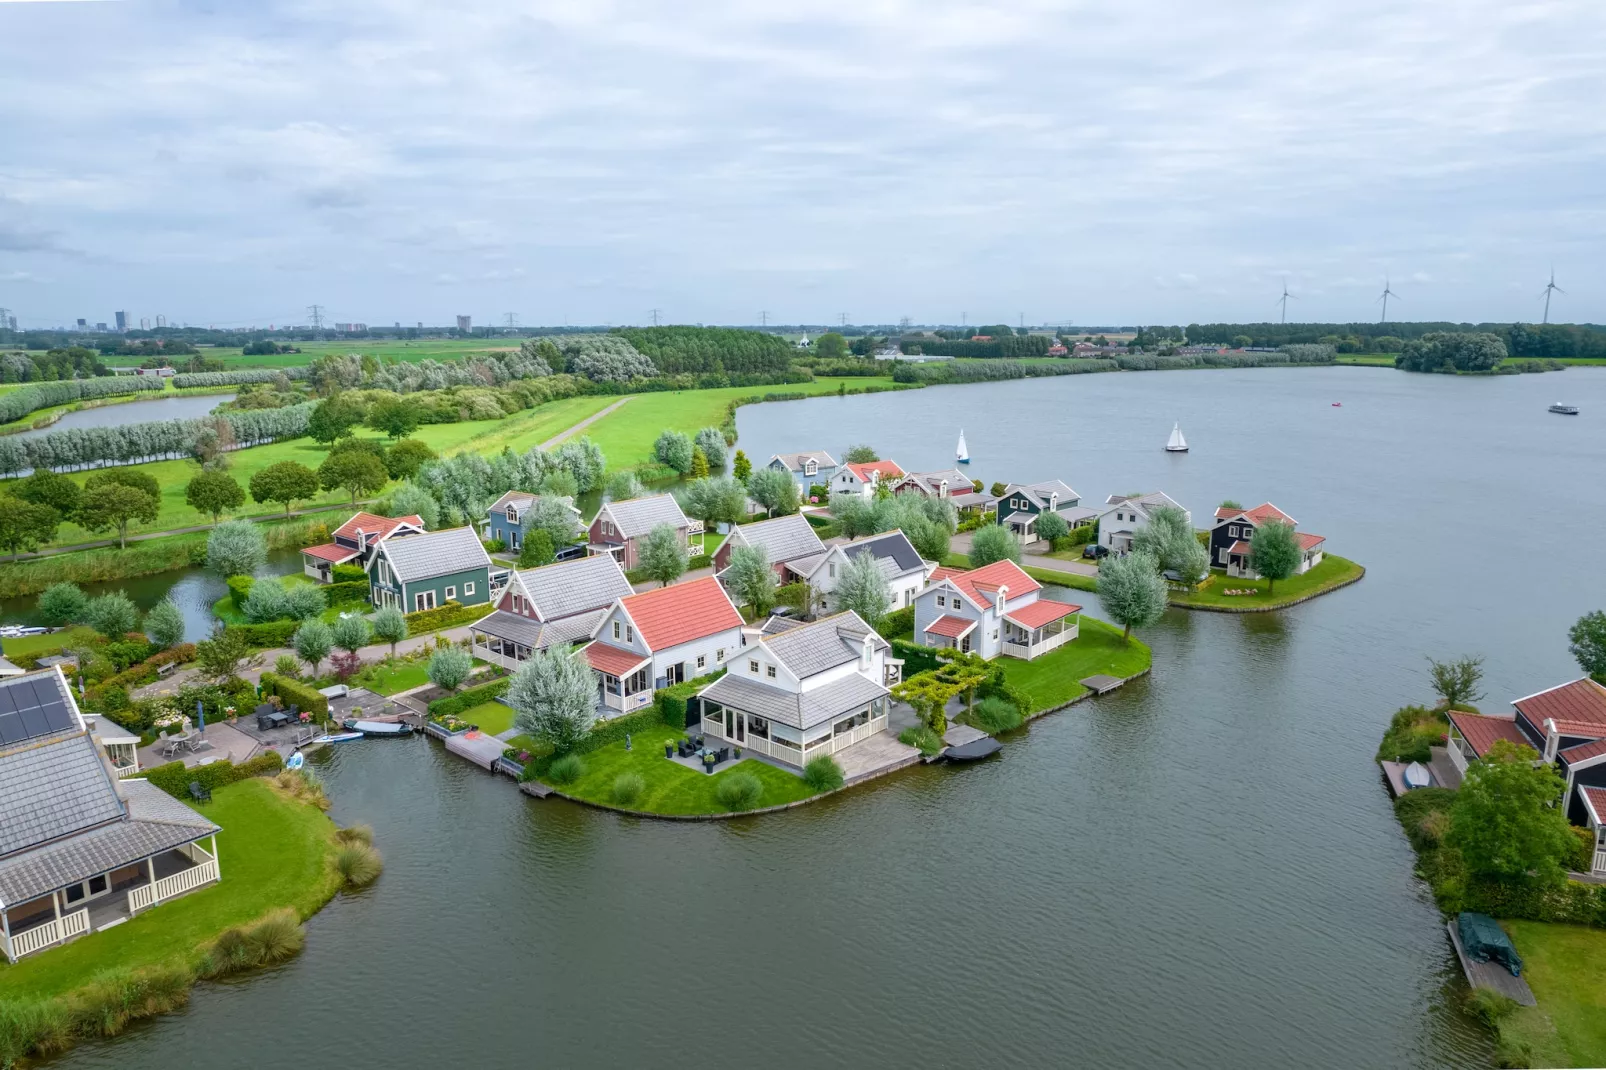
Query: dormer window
x,y
810,468
512,515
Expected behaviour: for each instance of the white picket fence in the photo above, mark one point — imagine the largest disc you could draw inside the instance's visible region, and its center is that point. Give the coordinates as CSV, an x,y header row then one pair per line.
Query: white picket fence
x,y
148,895
52,932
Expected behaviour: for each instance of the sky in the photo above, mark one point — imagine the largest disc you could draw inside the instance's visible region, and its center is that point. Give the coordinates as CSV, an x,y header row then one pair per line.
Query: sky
x,y
589,161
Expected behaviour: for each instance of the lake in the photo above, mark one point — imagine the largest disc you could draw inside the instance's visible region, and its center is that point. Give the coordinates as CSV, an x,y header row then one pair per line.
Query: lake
x,y
1199,870
171,407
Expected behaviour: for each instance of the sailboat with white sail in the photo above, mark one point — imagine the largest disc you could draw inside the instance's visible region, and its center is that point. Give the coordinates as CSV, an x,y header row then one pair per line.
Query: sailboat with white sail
x,y
962,455
1176,443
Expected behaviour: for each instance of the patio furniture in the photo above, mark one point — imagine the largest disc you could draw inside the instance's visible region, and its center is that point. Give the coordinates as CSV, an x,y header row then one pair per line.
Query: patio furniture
x,y
199,793
173,744
724,754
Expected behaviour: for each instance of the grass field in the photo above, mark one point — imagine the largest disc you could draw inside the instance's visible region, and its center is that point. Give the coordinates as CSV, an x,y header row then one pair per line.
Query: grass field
x,y
1333,570
1378,360
626,435
1051,680
274,853
1563,966
672,788
385,348
389,679
31,644
492,717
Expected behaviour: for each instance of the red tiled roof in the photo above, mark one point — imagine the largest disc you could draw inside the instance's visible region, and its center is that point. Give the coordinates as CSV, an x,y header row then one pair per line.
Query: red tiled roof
x,y
1484,732
1239,547
878,469
942,572
1307,540
949,626
1258,515
981,585
1578,708
612,660
377,527
1041,612
670,616
1573,755
1595,799
330,552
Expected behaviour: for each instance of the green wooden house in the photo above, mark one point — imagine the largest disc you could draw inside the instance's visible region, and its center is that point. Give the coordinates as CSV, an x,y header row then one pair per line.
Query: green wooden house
x,y
428,570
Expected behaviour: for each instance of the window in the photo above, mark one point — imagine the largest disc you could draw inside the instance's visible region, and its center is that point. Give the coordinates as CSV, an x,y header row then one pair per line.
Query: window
x,y
423,600
512,515
719,655
752,666
630,634
809,468
769,671
451,593
942,602
616,629
702,660
468,589
831,570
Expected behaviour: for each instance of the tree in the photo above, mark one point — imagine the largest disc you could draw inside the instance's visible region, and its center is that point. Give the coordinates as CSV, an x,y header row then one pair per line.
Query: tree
x,y
673,449
125,477
449,666
861,454
115,506
24,525
741,468
334,418
554,698
219,657
1274,552
395,415
831,346
537,550
112,614
63,603
560,484
584,460
287,481
1052,526
622,486
404,459
390,626
1586,639
1167,525
165,624
1187,559
997,490
750,579
1505,821
555,517
1456,681
711,440
863,588
313,641
267,600
303,601
774,489
1230,504
716,500
993,542
351,633
1132,591
413,500
1452,351
237,548
699,463
661,555
355,473
45,487
214,492
855,516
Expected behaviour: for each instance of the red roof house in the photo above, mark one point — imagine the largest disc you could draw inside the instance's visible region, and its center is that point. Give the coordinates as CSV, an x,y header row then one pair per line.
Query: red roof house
x,y
662,637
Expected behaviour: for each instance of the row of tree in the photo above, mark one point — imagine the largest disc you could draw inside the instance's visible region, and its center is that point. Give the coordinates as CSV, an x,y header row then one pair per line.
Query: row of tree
x,y
702,350
19,403
1443,351
82,447
60,362
239,377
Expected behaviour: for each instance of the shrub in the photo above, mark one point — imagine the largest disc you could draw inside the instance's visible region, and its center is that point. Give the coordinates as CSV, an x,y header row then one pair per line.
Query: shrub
x,y
447,615
739,791
823,773
359,864
63,603
916,658
303,786
1489,1006
994,715
275,938
287,665
174,778
273,633
922,738
900,623
627,788
355,834
566,770
672,708
1411,732
466,700
294,692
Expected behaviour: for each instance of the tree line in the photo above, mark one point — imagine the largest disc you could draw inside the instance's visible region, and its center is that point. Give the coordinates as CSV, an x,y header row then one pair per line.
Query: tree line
x,y
81,447
698,350
36,396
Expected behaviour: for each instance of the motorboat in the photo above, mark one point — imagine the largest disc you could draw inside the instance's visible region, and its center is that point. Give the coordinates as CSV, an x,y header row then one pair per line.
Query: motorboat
x,y
1416,775
378,728
1564,410
338,737
1176,443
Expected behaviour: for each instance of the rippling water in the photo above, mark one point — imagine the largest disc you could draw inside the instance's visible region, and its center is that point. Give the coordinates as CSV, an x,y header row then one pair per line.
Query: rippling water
x,y
1199,870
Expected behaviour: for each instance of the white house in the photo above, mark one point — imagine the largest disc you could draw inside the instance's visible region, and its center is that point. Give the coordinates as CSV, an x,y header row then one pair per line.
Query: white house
x,y
548,606
861,478
660,638
900,563
992,610
804,692
1125,514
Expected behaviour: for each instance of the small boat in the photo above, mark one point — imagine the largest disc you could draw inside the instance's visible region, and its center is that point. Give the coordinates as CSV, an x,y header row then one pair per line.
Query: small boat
x,y
1338,404
973,751
296,761
1564,410
1176,443
1416,775
378,728
962,455
338,737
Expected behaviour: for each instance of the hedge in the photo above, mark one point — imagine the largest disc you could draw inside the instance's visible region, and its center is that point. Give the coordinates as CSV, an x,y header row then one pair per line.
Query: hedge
x,y
175,777
899,623
467,700
671,709
347,593
916,658
273,633
793,595
141,674
239,589
185,380
448,615
342,573
294,692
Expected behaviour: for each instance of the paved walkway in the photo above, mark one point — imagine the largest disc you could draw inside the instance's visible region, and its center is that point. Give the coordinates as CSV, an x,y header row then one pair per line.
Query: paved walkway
x,y
961,545
583,424
685,577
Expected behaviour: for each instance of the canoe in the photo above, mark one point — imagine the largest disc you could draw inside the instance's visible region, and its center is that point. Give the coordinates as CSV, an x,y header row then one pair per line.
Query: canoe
x,y
339,737
378,728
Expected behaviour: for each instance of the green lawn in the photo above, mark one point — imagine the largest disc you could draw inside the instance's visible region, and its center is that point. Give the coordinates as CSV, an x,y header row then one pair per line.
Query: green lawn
x,y
398,676
672,788
1378,360
626,435
1563,966
492,717
1049,576
29,644
1051,680
274,853
1330,573
422,349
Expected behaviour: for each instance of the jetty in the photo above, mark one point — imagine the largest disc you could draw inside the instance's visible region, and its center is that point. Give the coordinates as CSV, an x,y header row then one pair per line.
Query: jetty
x,y
1491,974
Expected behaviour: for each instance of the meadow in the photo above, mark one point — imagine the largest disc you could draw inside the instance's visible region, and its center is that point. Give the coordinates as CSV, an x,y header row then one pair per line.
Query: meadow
x,y
381,349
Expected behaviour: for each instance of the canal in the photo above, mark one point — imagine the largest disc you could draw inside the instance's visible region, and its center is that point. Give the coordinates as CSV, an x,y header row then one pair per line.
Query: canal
x,y
1199,870
171,407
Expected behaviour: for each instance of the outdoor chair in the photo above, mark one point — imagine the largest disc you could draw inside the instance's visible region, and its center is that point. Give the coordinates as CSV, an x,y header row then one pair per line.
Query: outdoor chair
x,y
724,754
199,793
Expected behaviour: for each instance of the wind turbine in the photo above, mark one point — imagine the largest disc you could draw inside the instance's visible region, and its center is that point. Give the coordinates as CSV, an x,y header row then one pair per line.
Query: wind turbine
x,y
1283,301
1387,293
1551,288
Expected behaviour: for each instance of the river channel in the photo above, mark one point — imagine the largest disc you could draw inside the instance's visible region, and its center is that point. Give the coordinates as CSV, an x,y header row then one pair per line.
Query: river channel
x,y
172,407
1199,870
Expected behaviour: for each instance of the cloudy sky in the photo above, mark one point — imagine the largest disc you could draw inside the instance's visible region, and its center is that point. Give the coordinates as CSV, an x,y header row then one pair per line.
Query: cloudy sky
x,y
586,161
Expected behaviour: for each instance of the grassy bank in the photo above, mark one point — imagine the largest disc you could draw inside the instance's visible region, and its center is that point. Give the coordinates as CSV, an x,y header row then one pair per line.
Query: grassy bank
x,y
1334,571
1563,966
670,788
1050,681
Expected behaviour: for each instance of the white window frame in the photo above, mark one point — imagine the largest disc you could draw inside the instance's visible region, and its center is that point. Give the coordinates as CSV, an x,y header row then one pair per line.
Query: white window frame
x,y
719,655
451,593
468,589
702,660
769,672
616,628
752,666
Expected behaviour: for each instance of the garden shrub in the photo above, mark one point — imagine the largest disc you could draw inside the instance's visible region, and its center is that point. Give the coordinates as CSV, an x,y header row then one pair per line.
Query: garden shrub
x,y
627,788
104,693
1489,1006
672,708
239,588
1582,859
994,715
604,733
347,593
823,773
1412,730
738,791
921,738
349,574
899,624
273,633
916,658
793,595
447,615
294,692
358,864
566,770
174,778
467,700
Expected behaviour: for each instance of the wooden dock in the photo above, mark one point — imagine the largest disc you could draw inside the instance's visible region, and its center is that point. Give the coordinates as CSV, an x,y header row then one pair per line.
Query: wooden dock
x,y
1101,683
478,747
1491,974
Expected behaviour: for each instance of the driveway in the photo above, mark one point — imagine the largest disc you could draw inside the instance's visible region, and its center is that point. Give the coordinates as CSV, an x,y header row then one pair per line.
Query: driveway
x,y
961,545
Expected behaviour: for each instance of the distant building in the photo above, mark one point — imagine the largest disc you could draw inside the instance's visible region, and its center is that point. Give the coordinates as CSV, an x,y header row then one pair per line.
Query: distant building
x,y
82,325
122,321
161,321
98,326
351,328
464,323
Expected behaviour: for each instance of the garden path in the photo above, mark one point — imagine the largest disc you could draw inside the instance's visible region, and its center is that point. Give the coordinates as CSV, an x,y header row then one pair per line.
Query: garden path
x,y
961,545
582,425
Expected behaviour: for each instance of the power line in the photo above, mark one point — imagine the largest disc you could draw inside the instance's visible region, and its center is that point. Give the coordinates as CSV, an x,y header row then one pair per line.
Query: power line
x,y
512,321
654,312
316,312
764,319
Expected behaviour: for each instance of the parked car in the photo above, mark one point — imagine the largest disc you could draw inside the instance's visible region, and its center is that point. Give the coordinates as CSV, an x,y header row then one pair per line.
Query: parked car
x,y
1095,551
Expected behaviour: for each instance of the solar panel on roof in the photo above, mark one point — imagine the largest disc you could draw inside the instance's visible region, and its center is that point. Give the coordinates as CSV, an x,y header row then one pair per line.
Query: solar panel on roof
x,y
32,707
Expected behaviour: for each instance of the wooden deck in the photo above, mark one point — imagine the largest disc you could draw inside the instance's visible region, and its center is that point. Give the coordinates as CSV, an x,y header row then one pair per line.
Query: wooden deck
x,y
1101,683
478,747
1491,974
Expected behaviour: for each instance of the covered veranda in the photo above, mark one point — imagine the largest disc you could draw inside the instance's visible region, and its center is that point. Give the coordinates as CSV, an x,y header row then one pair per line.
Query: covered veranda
x,y
1039,627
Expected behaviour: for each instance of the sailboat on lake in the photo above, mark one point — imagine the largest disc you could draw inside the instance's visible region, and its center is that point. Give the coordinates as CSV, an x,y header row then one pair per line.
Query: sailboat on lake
x,y
1176,443
962,455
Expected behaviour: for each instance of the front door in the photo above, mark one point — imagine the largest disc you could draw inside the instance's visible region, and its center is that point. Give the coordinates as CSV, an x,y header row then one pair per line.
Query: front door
x,y
677,673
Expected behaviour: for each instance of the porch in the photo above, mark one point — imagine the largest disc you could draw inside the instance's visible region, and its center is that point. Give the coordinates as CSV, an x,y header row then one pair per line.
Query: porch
x,y
106,899
1039,627
504,639
789,746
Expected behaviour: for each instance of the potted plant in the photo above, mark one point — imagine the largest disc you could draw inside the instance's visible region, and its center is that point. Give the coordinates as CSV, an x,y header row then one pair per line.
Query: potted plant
x,y
737,751
708,763
669,749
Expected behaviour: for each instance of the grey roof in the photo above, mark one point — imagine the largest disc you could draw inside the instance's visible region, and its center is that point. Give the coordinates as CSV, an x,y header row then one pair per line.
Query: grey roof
x,y
53,789
512,626
1042,492
933,480
893,549
805,566
577,586
435,553
540,634
824,644
9,669
784,538
794,461
803,711
106,730
520,498
637,516
1153,499
156,822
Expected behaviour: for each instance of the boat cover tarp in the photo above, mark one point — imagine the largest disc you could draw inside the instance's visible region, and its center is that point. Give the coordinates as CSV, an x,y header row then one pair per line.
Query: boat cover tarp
x,y
976,748
1484,940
